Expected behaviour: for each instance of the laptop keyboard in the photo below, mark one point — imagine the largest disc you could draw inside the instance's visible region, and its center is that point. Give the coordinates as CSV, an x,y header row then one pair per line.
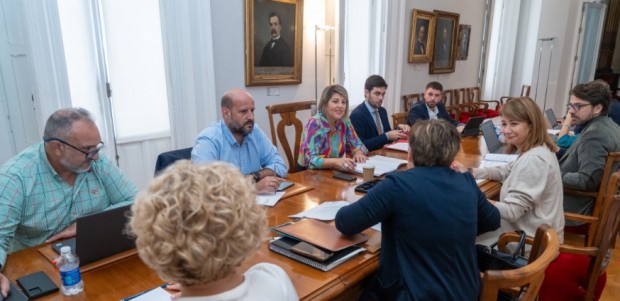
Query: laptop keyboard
x,y
366,186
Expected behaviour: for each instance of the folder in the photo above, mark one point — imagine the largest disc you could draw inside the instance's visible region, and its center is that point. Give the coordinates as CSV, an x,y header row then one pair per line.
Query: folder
x,y
320,234
283,245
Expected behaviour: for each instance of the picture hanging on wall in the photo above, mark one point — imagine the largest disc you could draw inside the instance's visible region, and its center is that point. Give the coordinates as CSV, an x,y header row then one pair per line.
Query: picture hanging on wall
x,y
273,42
463,49
444,53
422,36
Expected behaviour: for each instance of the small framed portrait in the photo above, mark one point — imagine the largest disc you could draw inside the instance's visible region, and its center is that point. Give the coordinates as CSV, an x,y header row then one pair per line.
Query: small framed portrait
x,y
273,42
422,36
463,50
446,34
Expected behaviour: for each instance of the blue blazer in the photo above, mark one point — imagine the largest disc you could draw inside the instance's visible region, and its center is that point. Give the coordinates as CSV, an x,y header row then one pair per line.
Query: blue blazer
x,y
420,112
366,129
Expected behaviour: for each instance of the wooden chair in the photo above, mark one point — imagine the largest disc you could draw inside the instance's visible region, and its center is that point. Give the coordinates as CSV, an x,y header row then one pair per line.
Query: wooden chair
x,y
288,117
399,118
523,283
579,272
591,221
475,93
467,107
410,99
525,91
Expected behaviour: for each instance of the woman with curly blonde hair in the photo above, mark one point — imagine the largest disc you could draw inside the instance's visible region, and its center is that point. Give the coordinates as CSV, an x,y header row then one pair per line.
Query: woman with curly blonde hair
x,y
195,224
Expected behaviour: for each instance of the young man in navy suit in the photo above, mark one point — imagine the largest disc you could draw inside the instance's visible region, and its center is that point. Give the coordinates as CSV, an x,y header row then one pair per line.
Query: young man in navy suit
x,y
370,119
431,107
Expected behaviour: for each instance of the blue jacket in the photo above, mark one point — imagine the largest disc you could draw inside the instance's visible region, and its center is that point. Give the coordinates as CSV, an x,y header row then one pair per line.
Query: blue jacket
x,y
420,112
365,127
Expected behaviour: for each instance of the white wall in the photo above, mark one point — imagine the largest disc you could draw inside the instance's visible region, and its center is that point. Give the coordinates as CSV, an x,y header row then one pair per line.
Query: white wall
x,y
416,76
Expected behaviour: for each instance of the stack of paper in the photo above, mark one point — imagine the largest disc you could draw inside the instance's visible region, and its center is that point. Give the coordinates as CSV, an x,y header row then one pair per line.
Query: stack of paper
x,y
269,199
325,212
497,160
382,165
399,146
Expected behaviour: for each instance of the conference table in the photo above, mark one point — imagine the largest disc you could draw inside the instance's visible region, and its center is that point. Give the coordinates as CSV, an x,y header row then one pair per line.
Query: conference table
x,y
117,279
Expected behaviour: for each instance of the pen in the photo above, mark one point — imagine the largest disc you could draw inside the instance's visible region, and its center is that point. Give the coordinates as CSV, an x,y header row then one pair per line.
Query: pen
x,y
142,293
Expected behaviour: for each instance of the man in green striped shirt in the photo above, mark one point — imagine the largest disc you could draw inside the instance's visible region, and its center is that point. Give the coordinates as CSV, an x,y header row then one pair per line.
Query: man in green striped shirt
x,y
46,187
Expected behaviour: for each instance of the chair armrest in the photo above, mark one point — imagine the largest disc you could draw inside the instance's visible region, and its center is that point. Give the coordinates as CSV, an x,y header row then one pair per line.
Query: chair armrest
x,y
496,102
577,192
504,99
508,237
587,251
579,217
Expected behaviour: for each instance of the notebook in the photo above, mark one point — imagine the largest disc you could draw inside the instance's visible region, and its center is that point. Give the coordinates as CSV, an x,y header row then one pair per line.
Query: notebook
x,y
472,127
100,235
490,138
319,234
382,164
553,121
283,245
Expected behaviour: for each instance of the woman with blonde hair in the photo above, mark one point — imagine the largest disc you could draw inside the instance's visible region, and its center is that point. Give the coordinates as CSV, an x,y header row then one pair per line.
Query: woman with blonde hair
x,y
531,191
195,224
329,137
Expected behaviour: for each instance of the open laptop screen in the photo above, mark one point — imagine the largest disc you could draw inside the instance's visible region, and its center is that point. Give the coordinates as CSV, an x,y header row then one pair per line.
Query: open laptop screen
x,y
553,121
490,137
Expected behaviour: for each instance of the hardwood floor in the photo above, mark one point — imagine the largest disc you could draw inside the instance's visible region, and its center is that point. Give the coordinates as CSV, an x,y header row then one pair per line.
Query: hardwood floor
x,y
612,287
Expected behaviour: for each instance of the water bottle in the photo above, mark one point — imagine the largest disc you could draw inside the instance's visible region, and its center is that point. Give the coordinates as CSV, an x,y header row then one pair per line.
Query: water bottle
x,y
69,266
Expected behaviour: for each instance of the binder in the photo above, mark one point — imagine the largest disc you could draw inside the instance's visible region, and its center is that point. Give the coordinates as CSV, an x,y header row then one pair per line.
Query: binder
x,y
283,245
320,234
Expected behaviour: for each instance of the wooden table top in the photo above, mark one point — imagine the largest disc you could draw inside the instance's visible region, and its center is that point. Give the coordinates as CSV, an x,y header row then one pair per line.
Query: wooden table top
x,y
129,276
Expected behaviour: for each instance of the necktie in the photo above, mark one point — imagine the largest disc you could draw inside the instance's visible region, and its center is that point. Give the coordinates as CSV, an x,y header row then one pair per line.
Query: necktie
x,y
378,122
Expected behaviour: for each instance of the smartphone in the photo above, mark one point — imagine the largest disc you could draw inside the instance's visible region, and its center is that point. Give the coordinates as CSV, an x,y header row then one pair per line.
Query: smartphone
x,y
285,185
344,176
305,249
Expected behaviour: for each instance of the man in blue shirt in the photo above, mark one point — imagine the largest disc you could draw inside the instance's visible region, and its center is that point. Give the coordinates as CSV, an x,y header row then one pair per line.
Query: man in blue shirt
x,y
236,139
46,187
370,119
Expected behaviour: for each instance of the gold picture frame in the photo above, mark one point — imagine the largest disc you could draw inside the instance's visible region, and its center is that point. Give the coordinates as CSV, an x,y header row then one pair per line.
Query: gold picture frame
x,y
464,36
422,36
444,46
273,42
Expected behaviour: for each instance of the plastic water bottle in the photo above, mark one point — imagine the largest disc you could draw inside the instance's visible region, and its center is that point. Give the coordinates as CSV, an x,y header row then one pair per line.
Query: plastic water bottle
x,y
70,277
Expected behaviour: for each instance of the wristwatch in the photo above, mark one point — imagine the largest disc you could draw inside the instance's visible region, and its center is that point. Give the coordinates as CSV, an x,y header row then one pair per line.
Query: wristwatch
x,y
256,176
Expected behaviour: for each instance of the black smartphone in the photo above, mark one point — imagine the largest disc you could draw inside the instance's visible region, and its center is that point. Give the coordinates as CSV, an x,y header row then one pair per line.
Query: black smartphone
x,y
305,249
14,294
344,176
285,185
37,284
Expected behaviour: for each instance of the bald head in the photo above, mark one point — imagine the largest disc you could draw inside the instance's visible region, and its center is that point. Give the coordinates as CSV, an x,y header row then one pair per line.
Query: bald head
x,y
238,111
232,95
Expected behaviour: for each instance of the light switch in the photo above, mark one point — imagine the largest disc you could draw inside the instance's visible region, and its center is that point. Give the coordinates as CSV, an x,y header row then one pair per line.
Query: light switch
x,y
273,91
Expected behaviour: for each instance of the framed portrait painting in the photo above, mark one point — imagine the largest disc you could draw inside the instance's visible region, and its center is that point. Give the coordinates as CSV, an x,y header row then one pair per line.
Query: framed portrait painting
x,y
422,36
444,52
273,42
463,49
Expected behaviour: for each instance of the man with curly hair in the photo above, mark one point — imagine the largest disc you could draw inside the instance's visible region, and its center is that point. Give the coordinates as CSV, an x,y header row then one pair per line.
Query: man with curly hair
x,y
196,224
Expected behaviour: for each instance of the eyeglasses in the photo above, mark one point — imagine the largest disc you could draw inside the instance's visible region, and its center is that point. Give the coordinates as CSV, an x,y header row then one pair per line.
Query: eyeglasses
x,y
576,107
89,155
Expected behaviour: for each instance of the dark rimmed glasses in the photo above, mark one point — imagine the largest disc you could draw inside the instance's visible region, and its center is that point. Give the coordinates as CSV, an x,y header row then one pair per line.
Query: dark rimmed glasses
x,y
576,106
89,155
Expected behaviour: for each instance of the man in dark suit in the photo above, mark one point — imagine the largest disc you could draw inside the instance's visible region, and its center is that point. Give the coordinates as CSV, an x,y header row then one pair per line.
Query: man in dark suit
x,y
276,53
370,119
420,42
432,107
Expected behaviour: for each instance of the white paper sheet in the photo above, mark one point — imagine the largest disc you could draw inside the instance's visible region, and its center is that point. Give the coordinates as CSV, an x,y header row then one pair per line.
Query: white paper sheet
x,y
326,211
382,164
157,294
399,146
269,199
377,227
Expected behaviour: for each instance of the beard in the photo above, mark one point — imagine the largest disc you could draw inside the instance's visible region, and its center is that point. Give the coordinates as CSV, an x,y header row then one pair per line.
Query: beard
x,y
64,162
244,129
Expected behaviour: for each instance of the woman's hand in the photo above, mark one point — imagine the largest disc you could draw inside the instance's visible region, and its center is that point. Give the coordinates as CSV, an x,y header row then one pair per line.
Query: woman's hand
x,y
458,167
359,157
345,164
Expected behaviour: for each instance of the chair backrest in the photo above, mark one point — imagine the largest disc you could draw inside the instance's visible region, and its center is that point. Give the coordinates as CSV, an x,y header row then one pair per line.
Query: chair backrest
x,y
525,90
450,98
399,118
287,112
524,282
410,99
166,158
611,165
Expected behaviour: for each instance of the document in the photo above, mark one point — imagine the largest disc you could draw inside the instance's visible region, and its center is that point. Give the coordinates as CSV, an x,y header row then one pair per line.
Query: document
x,y
324,212
399,146
491,160
157,294
269,199
382,165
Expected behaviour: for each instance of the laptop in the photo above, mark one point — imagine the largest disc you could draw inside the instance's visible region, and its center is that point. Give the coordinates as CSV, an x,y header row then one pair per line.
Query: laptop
x,y
99,235
553,121
490,138
472,127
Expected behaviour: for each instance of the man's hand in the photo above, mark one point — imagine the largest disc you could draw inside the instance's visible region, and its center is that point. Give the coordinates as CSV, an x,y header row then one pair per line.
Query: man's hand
x,y
460,128
4,286
66,233
268,185
394,135
404,127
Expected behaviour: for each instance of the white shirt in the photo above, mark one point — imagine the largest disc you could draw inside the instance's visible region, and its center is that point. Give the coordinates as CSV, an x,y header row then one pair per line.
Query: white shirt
x,y
432,114
263,282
